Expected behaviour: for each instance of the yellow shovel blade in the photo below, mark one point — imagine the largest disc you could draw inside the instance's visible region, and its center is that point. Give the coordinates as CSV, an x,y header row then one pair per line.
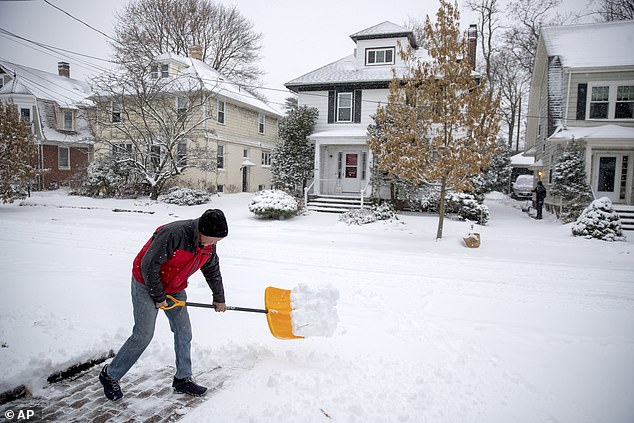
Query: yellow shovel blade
x,y
278,303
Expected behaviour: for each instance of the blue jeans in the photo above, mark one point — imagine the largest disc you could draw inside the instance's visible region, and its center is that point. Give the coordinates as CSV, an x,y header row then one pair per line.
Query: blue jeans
x,y
145,313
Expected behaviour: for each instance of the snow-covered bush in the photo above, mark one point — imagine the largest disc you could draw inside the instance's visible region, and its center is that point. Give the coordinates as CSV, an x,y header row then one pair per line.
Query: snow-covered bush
x,y
474,211
106,177
384,211
358,217
185,196
599,221
273,204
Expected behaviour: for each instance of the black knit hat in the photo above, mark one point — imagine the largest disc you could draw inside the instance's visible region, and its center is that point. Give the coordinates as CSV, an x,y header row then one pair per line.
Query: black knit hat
x,y
213,223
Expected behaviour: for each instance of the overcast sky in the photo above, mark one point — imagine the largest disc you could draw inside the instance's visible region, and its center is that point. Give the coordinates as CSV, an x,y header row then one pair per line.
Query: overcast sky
x,y
298,35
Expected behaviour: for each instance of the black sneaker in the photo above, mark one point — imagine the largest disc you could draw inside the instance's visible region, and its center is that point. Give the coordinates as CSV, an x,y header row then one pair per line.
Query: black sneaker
x,y
188,386
111,387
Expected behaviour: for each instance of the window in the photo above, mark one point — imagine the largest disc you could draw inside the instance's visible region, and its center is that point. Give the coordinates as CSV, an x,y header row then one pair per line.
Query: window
x,y
116,112
63,155
261,120
181,153
68,120
624,102
245,153
344,107
379,56
182,105
220,188
220,156
154,71
611,100
121,149
155,155
25,115
221,111
599,102
266,158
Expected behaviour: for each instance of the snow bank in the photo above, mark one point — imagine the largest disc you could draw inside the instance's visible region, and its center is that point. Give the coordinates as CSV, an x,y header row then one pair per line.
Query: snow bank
x,y
314,310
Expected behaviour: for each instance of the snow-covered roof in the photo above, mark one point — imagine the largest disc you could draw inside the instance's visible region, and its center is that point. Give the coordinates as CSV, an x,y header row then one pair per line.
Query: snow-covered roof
x,y
591,45
593,132
346,70
521,160
67,92
216,82
355,132
385,29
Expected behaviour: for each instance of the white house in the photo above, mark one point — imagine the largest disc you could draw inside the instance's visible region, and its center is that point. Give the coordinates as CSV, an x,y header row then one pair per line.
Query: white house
x,y
582,89
347,93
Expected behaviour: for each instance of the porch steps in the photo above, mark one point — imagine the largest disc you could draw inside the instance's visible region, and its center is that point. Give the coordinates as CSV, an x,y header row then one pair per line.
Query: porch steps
x,y
626,214
333,203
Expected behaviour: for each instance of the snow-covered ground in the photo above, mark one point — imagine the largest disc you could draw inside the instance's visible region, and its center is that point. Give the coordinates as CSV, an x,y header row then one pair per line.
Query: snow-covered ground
x,y
534,326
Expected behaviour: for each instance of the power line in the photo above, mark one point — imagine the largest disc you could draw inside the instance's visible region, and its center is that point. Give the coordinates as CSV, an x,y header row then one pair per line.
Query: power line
x,y
80,21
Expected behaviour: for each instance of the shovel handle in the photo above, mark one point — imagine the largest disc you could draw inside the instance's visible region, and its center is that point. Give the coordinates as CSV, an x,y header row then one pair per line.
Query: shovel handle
x,y
178,303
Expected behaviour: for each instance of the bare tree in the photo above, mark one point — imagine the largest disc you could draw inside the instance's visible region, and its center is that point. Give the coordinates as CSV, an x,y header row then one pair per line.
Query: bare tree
x,y
150,127
229,42
616,10
528,17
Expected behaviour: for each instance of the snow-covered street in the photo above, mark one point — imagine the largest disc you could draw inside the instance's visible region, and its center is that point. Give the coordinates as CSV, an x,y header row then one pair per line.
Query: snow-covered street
x,y
534,326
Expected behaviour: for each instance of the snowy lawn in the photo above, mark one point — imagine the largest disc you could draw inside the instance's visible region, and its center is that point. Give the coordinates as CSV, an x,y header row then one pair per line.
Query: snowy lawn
x,y
534,326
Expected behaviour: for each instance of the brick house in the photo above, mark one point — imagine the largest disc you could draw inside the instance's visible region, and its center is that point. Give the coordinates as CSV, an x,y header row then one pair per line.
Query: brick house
x,y
60,114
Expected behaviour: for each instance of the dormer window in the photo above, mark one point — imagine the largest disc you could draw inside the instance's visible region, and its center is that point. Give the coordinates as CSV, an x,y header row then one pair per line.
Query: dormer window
x,y
379,56
163,68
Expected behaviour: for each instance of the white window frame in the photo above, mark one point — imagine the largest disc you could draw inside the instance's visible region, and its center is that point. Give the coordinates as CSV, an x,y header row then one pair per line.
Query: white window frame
x,y
63,152
65,114
339,108
266,159
165,70
220,154
221,115
116,112
612,99
261,122
372,56
182,106
154,71
27,115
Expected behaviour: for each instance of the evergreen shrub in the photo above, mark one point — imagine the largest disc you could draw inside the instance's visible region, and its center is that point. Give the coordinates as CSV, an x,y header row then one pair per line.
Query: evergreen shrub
x,y
274,204
599,221
185,196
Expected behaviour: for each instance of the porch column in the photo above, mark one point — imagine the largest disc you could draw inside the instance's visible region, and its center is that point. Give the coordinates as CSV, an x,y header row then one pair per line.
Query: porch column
x,y
588,164
317,176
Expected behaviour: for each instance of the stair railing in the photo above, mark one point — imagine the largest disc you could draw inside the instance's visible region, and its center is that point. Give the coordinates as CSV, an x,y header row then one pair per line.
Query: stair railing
x,y
306,190
363,193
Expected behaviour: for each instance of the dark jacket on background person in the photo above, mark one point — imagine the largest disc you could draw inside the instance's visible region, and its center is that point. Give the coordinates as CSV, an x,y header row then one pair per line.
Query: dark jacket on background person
x,y
540,192
171,256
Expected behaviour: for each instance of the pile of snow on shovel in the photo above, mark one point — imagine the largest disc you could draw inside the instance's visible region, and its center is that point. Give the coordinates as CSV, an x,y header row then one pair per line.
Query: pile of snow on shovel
x,y
314,310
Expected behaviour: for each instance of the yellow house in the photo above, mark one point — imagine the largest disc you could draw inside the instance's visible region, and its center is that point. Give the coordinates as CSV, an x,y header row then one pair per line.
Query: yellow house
x,y
186,119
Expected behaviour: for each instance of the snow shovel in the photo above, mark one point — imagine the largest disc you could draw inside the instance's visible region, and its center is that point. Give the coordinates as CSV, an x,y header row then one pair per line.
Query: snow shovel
x,y
278,311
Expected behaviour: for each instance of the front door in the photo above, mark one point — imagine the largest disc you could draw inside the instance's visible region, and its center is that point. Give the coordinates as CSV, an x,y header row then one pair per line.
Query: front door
x,y
350,171
608,178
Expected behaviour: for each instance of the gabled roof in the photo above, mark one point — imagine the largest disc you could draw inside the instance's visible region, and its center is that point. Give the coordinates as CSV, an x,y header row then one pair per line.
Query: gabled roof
x,y
385,29
591,45
67,92
216,82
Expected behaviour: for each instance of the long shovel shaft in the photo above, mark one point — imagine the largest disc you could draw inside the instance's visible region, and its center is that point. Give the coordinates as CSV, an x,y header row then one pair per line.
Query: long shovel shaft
x,y
250,310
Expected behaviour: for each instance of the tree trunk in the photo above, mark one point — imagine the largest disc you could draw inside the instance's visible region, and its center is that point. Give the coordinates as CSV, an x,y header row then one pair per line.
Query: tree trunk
x,y
441,211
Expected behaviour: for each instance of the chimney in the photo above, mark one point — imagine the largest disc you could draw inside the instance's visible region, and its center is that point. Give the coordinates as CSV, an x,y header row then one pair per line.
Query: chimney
x,y
196,52
472,37
63,69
